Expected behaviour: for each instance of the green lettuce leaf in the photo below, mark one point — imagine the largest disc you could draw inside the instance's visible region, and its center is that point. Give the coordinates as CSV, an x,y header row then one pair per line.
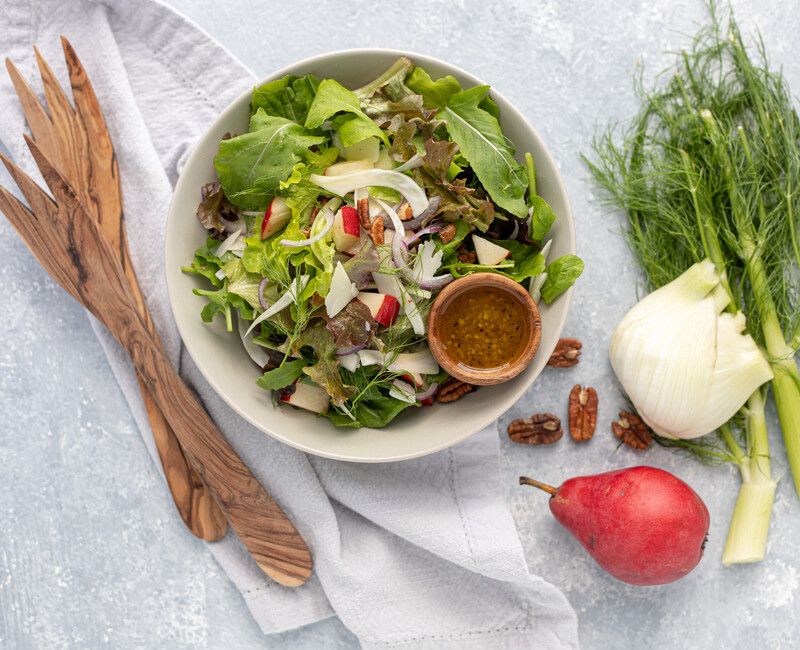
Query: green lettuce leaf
x,y
481,141
357,129
333,98
435,94
251,166
325,372
241,282
282,376
561,275
289,97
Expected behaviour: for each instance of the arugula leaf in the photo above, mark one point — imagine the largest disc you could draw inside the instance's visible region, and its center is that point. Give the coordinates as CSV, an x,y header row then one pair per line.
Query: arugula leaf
x,y
437,94
376,412
528,262
251,166
542,219
561,275
333,98
372,409
289,97
206,263
481,141
282,376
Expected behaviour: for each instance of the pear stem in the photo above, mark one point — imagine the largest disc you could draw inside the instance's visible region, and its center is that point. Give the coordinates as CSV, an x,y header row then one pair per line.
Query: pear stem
x,y
524,480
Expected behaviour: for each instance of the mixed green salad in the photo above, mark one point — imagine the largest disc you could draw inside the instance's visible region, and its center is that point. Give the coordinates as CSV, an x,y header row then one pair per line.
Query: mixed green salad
x,y
341,213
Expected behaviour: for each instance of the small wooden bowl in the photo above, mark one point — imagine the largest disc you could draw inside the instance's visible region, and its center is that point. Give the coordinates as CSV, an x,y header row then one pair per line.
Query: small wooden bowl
x,y
478,376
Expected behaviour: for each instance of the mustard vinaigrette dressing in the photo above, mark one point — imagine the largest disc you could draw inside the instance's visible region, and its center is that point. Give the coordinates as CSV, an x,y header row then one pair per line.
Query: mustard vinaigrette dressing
x,y
484,327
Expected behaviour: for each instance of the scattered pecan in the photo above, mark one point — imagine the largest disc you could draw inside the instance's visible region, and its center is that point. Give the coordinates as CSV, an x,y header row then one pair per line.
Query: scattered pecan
x,y
313,215
566,353
404,212
582,412
467,257
539,429
376,231
447,233
452,390
362,207
632,431
317,300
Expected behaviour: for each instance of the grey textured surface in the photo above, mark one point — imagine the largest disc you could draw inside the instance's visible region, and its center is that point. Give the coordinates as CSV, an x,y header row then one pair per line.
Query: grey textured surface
x,y
92,552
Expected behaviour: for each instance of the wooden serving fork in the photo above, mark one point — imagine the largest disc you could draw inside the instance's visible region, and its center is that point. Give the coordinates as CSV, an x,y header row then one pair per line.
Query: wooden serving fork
x,y
67,241
79,145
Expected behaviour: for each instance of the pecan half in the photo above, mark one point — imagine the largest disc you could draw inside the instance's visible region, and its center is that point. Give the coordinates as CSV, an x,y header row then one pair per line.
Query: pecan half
x,y
376,232
467,257
632,430
582,412
566,353
447,233
405,212
452,390
539,429
362,207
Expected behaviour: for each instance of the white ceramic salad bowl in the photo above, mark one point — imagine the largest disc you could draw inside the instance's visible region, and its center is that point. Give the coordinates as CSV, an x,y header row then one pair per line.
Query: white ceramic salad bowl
x,y
227,367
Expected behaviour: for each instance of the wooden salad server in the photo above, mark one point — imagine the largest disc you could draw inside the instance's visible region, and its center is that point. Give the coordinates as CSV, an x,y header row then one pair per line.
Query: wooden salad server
x,y
67,241
79,145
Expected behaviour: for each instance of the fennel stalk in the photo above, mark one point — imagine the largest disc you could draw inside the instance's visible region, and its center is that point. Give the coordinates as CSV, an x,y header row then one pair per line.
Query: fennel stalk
x,y
710,168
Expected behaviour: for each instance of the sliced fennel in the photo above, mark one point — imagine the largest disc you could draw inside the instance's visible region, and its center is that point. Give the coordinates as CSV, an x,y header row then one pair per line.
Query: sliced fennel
x,y
347,183
289,297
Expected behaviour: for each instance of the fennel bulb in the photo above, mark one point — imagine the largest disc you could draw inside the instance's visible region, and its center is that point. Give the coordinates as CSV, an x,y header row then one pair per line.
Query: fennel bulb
x,y
687,366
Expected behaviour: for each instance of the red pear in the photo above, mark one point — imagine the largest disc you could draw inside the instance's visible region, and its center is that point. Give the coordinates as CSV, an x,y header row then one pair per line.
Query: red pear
x,y
643,525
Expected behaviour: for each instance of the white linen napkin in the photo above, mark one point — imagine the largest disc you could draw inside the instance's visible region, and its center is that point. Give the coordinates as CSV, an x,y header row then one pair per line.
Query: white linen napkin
x,y
422,553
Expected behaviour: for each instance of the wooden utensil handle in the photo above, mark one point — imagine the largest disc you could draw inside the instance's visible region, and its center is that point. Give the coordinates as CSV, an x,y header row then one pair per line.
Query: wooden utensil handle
x,y
270,537
72,248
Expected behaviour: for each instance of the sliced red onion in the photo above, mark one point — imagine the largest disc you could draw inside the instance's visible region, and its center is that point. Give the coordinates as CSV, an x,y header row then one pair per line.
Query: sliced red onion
x,y
429,392
433,206
401,262
261,301
353,348
433,228
298,243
